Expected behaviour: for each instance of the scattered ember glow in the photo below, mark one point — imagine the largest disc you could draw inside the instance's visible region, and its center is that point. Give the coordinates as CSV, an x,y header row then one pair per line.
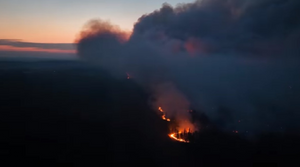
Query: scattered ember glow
x,y
164,118
164,115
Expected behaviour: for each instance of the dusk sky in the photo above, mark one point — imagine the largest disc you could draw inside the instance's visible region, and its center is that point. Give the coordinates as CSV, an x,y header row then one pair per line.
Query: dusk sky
x,y
114,82
59,21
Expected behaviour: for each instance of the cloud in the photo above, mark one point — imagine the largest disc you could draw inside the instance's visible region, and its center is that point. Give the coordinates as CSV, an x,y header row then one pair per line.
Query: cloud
x,y
21,44
237,61
27,55
17,45
19,49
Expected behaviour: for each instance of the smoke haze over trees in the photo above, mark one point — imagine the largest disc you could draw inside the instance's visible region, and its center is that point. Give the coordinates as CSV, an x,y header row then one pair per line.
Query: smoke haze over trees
x,y
235,60
230,65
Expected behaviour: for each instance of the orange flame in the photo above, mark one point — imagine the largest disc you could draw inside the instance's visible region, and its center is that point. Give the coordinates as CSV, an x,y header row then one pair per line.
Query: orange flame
x,y
164,115
164,118
172,136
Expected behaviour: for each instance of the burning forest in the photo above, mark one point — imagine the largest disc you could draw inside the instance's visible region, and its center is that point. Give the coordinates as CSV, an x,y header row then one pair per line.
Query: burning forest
x,y
174,108
224,62
176,134
234,61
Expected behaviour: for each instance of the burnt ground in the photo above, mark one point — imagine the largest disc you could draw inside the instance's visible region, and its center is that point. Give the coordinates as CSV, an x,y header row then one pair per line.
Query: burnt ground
x,y
69,113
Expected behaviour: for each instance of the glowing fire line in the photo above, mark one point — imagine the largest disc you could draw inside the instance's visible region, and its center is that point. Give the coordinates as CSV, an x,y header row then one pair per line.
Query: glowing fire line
x,y
172,135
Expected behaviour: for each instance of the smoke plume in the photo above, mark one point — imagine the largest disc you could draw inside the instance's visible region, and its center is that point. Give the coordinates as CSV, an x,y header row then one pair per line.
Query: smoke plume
x,y
234,60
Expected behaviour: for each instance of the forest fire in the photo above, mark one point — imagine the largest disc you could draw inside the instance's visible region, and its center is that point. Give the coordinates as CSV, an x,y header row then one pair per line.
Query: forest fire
x,y
164,118
172,135
178,135
164,115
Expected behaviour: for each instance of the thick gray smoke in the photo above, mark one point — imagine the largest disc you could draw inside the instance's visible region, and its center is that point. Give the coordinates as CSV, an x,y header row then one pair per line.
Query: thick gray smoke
x,y
235,60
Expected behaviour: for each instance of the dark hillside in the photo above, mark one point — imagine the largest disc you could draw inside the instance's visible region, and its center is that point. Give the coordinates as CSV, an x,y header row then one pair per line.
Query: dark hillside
x,y
67,112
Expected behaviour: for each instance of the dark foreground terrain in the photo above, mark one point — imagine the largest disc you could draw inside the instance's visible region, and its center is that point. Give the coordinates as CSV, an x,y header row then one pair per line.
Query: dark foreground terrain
x,y
69,113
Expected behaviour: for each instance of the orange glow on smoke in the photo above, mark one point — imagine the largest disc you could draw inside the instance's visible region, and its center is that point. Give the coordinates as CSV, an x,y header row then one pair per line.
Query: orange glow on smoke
x,y
193,46
128,76
186,125
33,49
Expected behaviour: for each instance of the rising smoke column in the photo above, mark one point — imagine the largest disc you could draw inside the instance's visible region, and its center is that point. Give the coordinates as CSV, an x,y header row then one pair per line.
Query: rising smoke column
x,y
235,60
104,44
226,26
